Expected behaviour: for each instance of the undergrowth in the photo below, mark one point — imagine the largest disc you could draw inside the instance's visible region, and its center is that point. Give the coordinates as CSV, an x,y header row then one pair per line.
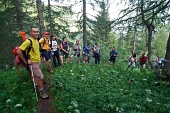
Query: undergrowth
x,y
90,88
17,93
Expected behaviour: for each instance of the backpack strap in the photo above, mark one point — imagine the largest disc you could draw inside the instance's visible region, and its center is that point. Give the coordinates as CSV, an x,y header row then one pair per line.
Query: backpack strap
x,y
29,48
43,43
50,43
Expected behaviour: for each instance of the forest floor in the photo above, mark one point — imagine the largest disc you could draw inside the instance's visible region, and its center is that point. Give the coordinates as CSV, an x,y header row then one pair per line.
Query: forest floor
x,y
45,105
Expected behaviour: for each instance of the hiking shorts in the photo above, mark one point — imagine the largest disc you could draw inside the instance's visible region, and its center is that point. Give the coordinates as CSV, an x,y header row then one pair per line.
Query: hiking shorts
x,y
112,59
46,54
64,54
142,65
76,54
159,65
36,68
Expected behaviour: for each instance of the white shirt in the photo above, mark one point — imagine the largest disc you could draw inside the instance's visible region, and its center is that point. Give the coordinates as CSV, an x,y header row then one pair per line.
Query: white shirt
x,y
97,49
132,61
77,48
158,62
54,45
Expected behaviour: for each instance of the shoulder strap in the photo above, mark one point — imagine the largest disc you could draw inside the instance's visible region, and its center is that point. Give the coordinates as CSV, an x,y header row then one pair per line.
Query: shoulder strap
x,y
50,42
29,48
43,43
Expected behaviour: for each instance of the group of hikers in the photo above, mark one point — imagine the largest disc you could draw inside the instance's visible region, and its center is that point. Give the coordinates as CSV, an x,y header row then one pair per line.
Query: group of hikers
x,y
37,49
47,47
159,62
60,52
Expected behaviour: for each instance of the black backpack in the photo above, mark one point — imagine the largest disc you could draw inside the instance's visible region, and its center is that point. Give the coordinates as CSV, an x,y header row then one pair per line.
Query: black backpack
x,y
26,53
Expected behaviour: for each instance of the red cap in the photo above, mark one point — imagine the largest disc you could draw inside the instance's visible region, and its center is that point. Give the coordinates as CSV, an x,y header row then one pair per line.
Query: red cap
x,y
46,33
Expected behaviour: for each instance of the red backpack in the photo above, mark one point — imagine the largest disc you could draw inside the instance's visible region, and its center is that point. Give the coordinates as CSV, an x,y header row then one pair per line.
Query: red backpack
x,y
18,61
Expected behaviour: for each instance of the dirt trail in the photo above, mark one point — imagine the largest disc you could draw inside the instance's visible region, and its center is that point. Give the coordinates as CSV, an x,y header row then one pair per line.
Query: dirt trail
x,y
44,105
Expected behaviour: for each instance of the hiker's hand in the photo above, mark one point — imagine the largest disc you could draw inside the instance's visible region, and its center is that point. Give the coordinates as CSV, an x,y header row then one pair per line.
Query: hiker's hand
x,y
29,61
25,61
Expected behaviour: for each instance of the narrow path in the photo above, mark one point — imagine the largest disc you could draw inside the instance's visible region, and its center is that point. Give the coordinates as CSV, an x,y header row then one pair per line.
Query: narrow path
x,y
44,105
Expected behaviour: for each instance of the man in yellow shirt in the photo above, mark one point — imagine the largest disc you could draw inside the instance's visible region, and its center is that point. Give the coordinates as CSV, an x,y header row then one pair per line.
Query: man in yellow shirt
x,y
34,60
46,51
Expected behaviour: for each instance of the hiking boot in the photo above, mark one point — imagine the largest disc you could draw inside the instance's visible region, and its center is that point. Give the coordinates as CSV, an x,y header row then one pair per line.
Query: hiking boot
x,y
50,70
43,94
47,68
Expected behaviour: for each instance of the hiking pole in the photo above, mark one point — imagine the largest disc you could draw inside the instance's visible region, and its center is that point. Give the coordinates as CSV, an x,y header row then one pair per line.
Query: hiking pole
x,y
33,82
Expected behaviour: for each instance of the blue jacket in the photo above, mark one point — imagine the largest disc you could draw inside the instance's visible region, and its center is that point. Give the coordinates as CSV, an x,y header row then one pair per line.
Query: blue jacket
x,y
112,53
87,49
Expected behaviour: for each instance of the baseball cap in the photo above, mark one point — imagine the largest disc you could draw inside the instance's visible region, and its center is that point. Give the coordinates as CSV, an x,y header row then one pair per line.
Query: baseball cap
x,y
46,33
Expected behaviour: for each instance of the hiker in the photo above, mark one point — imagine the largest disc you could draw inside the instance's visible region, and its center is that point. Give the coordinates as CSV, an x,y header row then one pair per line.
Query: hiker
x,y
64,50
159,62
34,59
46,51
86,53
113,54
55,50
26,36
76,49
97,53
132,61
142,61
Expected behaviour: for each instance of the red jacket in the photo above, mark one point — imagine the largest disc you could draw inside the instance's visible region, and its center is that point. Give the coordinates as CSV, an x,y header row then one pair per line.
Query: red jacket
x,y
143,59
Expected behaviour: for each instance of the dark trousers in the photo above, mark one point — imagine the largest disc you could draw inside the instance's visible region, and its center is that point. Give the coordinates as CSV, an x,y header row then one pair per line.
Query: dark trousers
x,y
56,56
97,58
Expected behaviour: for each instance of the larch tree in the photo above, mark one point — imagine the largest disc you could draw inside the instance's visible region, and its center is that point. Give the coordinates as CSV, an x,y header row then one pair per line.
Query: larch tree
x,y
84,23
50,18
40,17
19,14
146,13
166,70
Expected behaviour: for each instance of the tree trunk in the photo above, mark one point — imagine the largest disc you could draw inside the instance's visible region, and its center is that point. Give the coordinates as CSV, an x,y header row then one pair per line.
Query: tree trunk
x,y
40,17
150,29
84,23
19,15
50,19
134,41
166,69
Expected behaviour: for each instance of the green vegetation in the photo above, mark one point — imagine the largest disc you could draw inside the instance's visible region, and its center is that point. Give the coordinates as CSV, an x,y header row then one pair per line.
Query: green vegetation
x,y
89,88
17,93
108,89
143,26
